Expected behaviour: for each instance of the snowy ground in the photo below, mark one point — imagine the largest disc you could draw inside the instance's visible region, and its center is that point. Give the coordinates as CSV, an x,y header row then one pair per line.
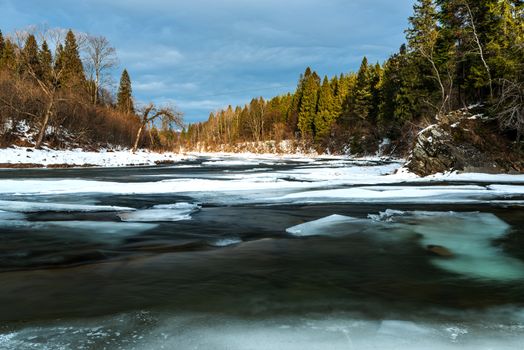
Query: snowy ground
x,y
118,158
79,157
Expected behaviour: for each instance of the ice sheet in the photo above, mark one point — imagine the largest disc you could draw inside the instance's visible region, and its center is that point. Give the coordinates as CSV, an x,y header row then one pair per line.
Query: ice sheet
x,y
146,330
33,207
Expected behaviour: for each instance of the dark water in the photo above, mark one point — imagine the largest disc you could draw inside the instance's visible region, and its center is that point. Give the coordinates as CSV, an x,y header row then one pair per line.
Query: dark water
x,y
234,264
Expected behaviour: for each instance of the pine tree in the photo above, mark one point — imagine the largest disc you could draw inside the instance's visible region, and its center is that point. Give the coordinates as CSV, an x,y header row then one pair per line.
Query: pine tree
x,y
326,112
125,94
308,105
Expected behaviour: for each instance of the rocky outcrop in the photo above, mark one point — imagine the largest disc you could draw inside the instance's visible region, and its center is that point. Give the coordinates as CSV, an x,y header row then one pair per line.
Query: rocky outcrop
x,y
464,141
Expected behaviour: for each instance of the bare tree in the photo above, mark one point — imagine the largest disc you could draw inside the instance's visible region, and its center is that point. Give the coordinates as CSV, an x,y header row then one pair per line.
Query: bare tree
x,y
100,59
151,113
510,107
479,46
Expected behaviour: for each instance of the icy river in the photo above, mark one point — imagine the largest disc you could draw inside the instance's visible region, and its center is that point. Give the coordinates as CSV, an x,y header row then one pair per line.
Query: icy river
x,y
260,253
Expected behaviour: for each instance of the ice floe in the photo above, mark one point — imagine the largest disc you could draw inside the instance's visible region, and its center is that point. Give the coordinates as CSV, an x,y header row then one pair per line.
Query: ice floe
x,y
333,225
162,213
99,231
467,238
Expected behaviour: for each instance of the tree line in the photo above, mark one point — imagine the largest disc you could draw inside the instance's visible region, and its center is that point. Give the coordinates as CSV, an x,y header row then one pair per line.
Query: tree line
x,y
457,53
59,83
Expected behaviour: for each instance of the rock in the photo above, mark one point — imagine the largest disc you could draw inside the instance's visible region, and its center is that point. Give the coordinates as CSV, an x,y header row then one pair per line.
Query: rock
x,y
461,141
439,250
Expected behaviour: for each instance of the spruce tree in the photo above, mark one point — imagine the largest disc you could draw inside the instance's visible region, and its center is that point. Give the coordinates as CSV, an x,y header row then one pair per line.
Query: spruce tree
x,y
2,44
46,62
326,112
361,97
294,110
31,63
71,64
308,105
425,42
8,60
125,94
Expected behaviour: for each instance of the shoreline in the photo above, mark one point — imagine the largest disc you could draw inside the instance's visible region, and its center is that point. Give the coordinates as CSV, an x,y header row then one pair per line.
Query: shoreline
x,y
16,157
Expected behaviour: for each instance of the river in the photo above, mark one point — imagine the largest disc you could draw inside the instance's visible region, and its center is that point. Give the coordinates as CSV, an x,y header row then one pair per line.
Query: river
x,y
260,253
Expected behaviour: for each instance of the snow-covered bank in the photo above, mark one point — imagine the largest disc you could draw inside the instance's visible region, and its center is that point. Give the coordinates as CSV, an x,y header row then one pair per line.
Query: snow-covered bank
x,y
26,156
14,156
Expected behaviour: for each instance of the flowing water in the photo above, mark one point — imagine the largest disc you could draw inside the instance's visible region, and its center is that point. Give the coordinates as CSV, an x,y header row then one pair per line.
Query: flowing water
x,y
216,253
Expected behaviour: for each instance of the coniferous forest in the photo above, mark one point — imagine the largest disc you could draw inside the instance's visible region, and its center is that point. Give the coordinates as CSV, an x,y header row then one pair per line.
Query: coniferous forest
x,y
457,53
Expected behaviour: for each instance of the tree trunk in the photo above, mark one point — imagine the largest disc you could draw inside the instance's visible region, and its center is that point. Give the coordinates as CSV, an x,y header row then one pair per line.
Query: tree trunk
x,y
43,128
138,134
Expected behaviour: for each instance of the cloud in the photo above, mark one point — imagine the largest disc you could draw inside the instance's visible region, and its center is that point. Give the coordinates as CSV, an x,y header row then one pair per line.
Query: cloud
x,y
228,50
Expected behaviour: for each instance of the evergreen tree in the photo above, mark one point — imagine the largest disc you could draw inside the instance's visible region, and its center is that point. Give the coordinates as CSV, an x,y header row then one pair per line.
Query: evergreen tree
x,y
308,105
399,99
71,64
46,62
361,98
423,40
8,60
125,94
294,110
376,91
31,63
326,112
2,44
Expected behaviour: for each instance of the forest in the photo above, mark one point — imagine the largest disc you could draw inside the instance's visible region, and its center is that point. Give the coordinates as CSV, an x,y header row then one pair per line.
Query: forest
x,y
458,53
64,98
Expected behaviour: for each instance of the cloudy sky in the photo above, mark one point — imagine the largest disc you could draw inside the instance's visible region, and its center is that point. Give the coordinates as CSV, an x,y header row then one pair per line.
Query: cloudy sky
x,y
206,54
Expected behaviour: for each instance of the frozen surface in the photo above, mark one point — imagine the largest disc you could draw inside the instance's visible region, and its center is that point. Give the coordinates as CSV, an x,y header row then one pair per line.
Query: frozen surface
x,y
165,213
33,207
469,237
98,231
333,225
145,330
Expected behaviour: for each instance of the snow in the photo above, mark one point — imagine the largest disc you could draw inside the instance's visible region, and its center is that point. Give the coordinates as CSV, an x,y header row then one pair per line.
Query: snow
x,y
162,213
426,129
398,194
79,157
